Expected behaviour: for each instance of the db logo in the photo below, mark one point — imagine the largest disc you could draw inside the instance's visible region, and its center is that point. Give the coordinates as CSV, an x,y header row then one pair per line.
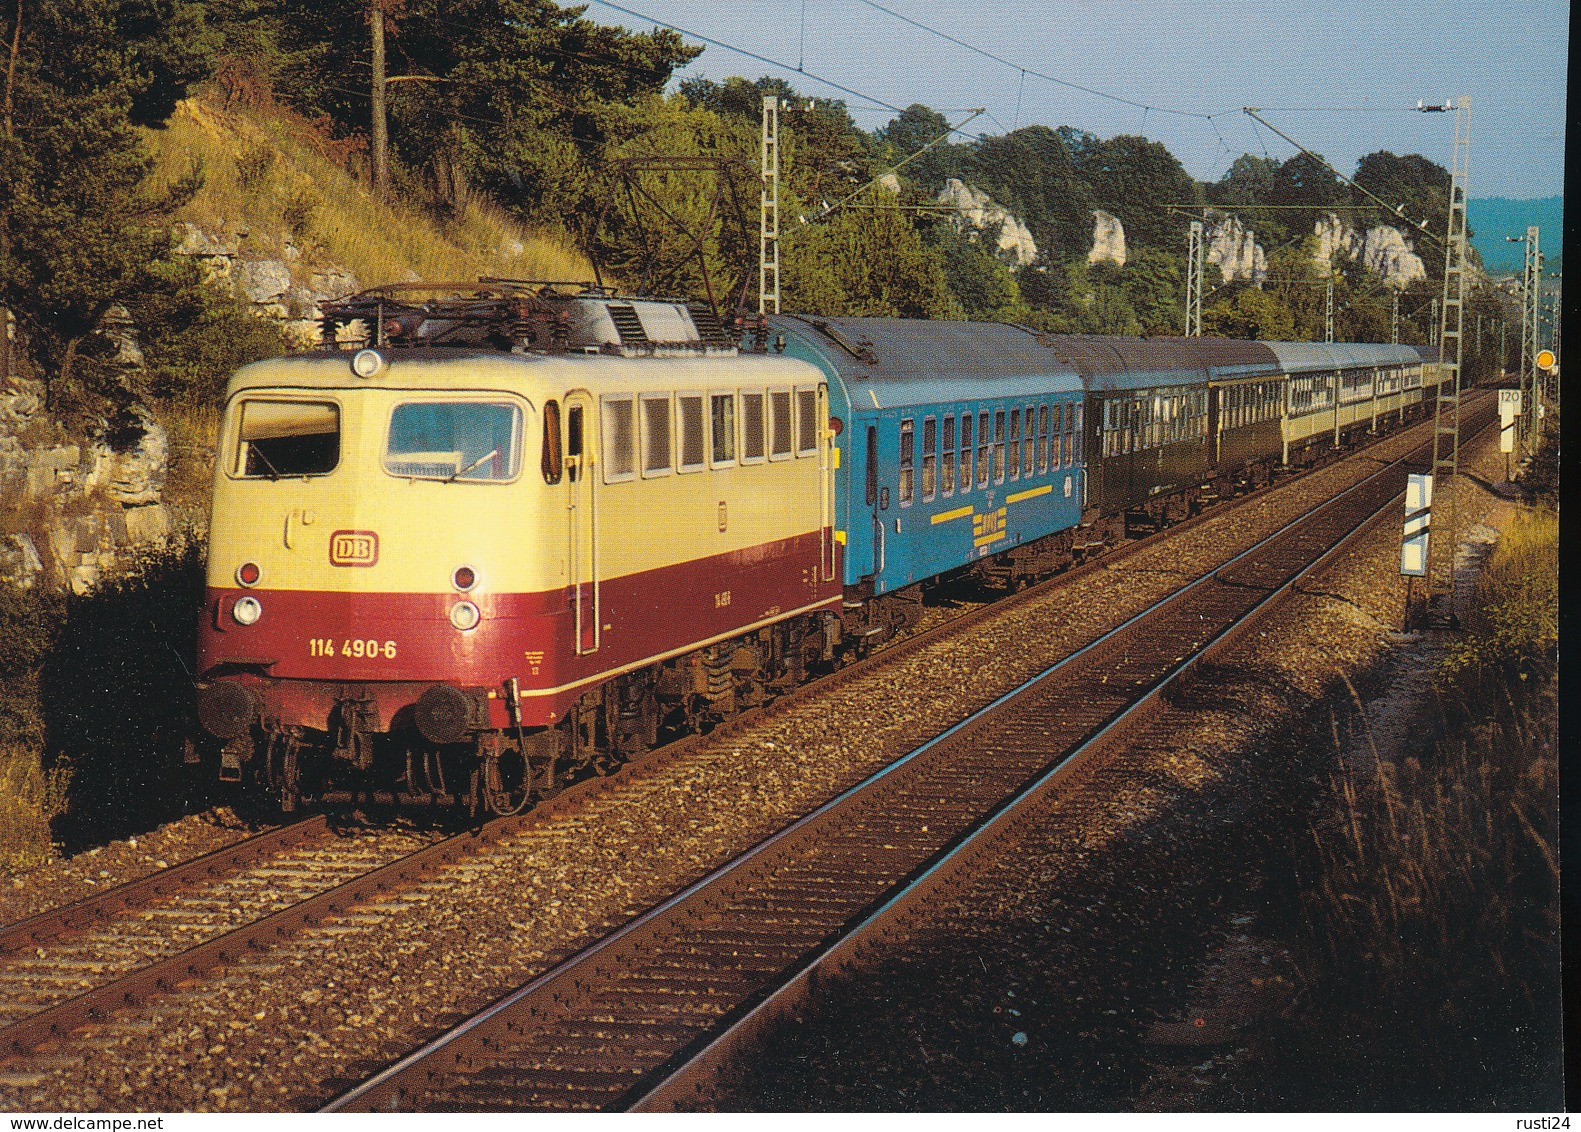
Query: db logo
x,y
353,548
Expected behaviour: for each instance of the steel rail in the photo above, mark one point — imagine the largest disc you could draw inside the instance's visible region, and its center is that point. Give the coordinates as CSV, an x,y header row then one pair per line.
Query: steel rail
x,y
138,987
73,919
478,1040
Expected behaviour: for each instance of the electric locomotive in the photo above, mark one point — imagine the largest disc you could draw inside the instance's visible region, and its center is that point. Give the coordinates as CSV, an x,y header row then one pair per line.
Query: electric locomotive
x,y
520,532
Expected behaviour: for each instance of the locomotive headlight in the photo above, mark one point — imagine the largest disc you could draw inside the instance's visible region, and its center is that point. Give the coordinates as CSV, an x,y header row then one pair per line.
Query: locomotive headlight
x,y
463,615
246,610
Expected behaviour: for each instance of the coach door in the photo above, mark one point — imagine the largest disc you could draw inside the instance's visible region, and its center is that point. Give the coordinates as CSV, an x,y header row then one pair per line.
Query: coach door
x,y
826,452
580,470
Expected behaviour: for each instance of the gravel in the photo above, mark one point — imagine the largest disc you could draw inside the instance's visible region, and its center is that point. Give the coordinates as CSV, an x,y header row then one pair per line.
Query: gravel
x,y
289,1029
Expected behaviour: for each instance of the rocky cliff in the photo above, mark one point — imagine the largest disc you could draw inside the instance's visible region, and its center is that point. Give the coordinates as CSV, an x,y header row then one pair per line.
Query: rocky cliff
x,y
1383,249
1108,239
976,211
70,513
1234,248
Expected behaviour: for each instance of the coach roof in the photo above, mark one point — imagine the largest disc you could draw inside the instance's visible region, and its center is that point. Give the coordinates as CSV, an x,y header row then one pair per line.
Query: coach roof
x,y
894,362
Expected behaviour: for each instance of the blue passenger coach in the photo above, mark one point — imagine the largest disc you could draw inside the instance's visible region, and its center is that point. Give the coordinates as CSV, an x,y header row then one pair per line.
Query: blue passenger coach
x,y
959,442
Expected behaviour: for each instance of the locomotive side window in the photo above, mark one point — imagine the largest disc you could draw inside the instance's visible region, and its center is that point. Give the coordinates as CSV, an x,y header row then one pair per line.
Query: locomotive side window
x,y
930,457
966,452
723,418
553,461
287,438
693,457
620,439
806,422
908,452
780,441
751,427
655,434
474,441
947,461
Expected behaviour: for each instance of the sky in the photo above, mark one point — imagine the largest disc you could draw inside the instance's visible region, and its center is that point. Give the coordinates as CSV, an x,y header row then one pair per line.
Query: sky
x,y
1342,77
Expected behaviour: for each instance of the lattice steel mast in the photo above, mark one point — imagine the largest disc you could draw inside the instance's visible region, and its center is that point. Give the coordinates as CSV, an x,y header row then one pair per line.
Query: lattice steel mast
x,y
1446,415
769,210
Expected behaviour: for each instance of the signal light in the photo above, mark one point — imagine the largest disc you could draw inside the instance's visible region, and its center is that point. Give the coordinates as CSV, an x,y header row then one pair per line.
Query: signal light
x,y
464,578
248,573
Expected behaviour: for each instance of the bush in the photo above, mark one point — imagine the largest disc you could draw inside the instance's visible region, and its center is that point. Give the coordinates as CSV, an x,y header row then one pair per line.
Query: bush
x,y
30,796
1512,628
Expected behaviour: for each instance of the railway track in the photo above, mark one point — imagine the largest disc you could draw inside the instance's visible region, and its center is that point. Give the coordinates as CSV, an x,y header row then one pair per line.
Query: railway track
x,y
107,972
646,1017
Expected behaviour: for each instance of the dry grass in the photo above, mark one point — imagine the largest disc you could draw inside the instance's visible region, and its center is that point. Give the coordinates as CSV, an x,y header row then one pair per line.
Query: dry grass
x,y
1429,951
274,177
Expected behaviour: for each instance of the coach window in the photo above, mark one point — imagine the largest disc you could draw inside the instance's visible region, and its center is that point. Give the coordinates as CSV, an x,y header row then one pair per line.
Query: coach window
x,y
1076,440
656,434
982,449
1061,458
965,481
1043,438
620,439
806,422
999,446
472,441
781,442
947,459
553,461
908,443
287,438
930,457
722,416
693,458
1015,444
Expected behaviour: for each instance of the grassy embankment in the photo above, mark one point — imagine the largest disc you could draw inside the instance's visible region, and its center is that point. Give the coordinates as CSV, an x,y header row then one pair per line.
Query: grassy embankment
x,y
94,690
1429,945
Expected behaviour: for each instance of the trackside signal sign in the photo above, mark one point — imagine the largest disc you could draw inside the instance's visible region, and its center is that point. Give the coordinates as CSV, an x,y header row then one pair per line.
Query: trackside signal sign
x,y
1418,521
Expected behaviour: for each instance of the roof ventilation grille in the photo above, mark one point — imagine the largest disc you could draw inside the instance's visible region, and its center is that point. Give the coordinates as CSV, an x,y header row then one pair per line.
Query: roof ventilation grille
x,y
627,324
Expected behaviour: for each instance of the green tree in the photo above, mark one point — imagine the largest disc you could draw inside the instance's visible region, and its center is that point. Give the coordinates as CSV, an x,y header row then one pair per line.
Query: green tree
x,y
864,262
1250,313
79,230
1030,173
910,131
1135,179
981,285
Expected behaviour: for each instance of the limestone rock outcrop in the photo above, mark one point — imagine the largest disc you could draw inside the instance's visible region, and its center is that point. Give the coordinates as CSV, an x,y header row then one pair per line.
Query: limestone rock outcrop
x,y
1234,248
81,507
1108,239
976,210
1381,248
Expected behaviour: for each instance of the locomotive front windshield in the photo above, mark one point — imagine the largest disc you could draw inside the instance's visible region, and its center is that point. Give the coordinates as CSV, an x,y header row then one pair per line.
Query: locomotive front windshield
x,y
454,440
287,438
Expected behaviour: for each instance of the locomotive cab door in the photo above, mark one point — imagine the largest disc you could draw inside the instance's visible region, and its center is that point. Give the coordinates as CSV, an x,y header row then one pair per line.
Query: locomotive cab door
x,y
582,513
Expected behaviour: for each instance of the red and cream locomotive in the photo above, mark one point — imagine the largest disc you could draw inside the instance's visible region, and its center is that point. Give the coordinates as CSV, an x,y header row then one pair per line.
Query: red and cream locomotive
x,y
519,532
